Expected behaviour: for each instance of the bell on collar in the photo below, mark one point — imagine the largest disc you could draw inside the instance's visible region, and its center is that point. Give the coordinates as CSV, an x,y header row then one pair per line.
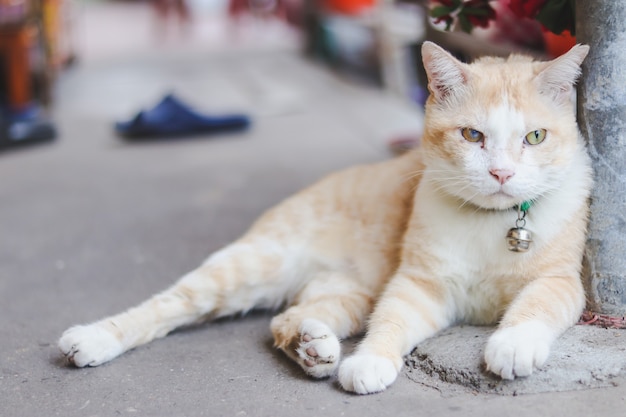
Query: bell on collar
x,y
519,239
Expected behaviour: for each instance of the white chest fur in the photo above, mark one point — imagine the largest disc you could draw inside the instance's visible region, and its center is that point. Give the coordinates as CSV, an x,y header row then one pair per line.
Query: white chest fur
x,y
470,244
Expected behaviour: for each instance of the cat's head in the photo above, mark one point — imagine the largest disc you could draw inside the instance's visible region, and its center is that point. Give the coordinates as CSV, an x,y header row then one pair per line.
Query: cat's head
x,y
500,131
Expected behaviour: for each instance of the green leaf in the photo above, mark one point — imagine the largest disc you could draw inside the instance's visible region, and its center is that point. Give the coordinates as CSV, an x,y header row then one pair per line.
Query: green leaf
x,y
440,11
466,25
558,15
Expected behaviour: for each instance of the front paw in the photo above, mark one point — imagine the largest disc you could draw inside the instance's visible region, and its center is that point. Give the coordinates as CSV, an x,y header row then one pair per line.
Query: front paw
x,y
367,374
89,345
517,350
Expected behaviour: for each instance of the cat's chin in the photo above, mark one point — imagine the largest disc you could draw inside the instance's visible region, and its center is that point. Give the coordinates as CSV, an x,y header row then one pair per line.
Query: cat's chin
x,y
496,201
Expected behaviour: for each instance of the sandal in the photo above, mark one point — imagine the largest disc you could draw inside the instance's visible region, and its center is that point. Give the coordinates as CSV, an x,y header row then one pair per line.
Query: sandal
x,y
171,117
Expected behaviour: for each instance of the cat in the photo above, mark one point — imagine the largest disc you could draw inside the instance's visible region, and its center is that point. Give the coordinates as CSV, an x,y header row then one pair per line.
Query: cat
x,y
404,248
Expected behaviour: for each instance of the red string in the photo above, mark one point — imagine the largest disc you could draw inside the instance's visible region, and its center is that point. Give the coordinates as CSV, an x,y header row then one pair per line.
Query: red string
x,y
602,320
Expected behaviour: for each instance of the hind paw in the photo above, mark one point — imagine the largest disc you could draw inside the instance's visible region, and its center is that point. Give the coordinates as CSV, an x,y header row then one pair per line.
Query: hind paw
x,y
89,345
319,350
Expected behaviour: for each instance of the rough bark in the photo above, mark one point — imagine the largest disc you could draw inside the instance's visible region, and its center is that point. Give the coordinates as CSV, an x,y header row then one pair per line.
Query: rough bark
x,y
601,24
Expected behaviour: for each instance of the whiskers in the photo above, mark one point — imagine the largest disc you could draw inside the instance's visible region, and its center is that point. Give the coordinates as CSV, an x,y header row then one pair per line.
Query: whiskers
x,y
466,190
413,176
466,202
450,183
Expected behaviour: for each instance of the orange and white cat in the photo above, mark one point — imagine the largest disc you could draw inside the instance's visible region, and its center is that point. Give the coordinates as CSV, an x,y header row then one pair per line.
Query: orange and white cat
x,y
410,246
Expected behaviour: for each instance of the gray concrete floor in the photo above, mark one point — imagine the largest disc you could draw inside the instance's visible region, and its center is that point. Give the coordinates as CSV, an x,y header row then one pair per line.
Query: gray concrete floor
x,y
91,225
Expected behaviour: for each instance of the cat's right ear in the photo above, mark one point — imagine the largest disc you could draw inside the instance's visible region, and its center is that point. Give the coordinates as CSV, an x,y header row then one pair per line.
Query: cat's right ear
x,y
558,76
445,73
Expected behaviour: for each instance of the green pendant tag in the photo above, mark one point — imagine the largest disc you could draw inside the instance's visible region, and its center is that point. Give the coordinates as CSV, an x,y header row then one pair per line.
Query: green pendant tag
x,y
525,205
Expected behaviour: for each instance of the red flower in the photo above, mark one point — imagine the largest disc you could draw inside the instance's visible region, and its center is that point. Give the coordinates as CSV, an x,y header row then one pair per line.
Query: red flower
x,y
468,13
479,12
555,15
526,8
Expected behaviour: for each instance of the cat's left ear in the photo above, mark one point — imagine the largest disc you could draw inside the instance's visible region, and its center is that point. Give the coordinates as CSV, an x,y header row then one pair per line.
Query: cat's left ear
x,y
558,77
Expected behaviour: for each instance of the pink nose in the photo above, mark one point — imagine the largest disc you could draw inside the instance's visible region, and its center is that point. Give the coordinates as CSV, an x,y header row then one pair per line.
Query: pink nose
x,y
502,175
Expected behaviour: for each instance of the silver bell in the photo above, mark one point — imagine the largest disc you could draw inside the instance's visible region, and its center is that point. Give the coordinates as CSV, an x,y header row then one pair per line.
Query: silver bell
x,y
519,239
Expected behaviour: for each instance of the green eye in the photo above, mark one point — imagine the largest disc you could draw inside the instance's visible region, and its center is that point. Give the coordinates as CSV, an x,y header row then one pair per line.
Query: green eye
x,y
536,136
472,135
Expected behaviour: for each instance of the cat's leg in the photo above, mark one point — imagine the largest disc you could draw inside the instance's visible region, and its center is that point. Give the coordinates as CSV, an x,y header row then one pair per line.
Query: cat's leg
x,y
244,275
410,310
537,316
331,307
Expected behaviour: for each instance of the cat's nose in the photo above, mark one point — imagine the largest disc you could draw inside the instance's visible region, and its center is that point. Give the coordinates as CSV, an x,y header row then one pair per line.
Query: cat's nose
x,y
502,175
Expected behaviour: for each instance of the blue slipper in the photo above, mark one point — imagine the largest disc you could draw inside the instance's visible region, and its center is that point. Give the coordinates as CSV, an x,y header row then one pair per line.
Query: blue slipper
x,y
171,117
24,127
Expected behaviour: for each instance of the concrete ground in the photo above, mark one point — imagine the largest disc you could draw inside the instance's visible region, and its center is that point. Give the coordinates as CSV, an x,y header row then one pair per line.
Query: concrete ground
x,y
91,225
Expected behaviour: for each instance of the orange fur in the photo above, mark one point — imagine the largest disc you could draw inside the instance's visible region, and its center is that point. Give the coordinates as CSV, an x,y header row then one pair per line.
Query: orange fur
x,y
411,245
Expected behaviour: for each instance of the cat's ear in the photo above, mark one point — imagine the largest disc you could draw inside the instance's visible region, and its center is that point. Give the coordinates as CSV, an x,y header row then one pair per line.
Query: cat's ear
x,y
445,73
558,77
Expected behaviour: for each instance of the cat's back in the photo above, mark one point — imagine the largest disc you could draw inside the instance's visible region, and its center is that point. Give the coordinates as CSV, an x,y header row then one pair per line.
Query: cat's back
x,y
367,194
357,215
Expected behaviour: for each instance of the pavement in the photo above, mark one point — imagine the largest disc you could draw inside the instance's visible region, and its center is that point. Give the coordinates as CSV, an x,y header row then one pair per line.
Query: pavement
x,y
91,225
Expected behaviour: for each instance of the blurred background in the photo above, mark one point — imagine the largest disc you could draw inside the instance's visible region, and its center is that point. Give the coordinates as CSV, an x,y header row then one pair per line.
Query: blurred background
x,y
373,43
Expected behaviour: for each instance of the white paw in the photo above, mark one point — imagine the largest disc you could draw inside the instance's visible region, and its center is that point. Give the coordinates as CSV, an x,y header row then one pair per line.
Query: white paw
x,y
366,374
89,345
517,350
319,349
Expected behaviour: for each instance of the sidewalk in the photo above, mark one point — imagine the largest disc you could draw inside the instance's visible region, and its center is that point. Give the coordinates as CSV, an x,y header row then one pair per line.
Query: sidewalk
x,y
91,225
